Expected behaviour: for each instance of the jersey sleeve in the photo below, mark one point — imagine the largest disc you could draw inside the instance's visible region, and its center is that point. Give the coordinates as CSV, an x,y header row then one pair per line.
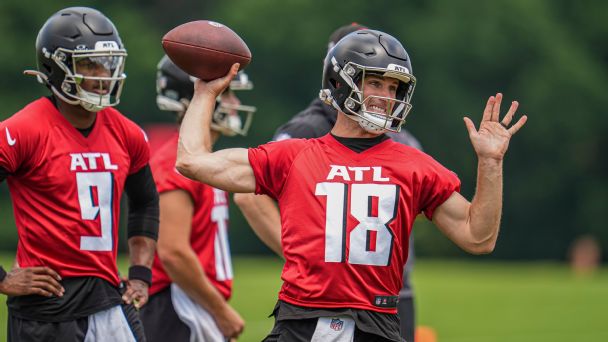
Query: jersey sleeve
x,y
18,144
271,164
138,146
439,184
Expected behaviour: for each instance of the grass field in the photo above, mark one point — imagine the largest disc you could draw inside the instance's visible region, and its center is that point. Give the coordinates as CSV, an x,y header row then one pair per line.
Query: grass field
x,y
463,301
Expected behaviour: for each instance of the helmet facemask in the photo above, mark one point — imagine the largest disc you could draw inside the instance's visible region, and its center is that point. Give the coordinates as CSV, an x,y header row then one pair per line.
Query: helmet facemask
x,y
375,114
170,105
102,69
231,119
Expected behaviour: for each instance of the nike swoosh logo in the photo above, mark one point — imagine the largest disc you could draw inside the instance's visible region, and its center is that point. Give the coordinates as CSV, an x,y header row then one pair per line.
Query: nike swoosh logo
x,y
9,139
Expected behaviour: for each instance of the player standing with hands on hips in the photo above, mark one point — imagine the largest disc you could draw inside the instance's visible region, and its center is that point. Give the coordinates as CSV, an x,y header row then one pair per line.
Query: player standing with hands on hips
x,y
67,159
348,199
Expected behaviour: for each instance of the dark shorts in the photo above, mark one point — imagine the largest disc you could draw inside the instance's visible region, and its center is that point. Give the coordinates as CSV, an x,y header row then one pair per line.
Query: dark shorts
x,y
301,330
23,330
161,322
297,323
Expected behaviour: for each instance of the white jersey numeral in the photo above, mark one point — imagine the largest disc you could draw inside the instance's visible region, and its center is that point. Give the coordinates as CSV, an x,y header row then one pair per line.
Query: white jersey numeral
x,y
223,262
101,183
374,206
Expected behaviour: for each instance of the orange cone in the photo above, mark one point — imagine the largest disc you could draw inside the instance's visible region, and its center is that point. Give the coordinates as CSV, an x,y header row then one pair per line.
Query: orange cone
x,y
425,334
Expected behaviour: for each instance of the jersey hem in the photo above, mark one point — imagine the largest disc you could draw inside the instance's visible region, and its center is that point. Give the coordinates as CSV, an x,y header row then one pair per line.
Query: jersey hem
x,y
115,281
330,305
100,308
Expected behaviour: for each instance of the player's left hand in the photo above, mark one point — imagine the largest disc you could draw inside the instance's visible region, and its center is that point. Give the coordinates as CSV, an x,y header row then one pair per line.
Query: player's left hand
x,y
491,141
136,293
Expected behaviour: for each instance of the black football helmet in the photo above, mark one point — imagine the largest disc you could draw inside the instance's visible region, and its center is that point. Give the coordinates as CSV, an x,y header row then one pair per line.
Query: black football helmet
x,y
361,53
175,88
78,36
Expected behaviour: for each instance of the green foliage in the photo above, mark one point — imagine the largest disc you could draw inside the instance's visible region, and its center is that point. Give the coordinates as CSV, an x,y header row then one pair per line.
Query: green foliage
x,y
549,55
8,231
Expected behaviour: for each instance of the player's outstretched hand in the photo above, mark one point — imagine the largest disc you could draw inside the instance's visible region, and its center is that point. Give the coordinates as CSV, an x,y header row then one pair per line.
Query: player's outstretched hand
x,y
136,293
216,87
492,138
41,281
229,322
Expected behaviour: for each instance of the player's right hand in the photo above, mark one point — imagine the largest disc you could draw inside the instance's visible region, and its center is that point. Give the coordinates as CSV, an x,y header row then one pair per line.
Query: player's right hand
x,y
41,281
216,87
230,322
136,293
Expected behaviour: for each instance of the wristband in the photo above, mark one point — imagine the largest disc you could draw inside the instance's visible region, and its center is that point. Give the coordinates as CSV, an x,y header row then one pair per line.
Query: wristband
x,y
142,273
2,274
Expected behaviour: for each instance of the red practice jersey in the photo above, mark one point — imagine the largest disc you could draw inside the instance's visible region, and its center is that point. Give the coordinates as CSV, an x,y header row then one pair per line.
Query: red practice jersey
x,y
66,187
346,216
209,234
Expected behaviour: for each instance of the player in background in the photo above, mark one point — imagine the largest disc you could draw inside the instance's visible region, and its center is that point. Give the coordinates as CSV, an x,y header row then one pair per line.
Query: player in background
x,y
348,199
68,158
192,270
314,122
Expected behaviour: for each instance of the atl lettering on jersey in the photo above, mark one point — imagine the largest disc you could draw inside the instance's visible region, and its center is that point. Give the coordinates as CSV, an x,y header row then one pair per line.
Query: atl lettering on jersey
x,y
92,162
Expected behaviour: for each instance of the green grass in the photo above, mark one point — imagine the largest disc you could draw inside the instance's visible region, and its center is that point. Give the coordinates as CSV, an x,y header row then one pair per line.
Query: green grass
x,y
464,301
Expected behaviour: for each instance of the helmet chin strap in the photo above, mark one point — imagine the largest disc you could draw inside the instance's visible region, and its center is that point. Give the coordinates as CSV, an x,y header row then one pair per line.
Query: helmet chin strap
x,y
369,126
368,122
92,102
63,98
89,107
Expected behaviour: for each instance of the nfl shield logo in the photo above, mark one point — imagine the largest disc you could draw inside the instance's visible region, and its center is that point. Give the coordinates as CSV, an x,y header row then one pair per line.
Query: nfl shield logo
x,y
336,324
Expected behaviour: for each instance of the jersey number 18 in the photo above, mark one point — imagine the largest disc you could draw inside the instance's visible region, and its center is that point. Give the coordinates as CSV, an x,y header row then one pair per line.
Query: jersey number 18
x,y
374,206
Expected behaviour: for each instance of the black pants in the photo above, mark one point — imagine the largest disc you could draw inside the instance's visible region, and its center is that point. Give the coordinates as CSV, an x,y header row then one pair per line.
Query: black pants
x,y
23,330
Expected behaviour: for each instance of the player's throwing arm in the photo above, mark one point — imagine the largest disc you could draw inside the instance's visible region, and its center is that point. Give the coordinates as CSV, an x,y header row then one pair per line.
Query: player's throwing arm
x,y
227,169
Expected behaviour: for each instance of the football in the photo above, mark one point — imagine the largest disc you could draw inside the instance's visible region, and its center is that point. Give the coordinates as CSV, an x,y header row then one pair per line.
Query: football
x,y
205,49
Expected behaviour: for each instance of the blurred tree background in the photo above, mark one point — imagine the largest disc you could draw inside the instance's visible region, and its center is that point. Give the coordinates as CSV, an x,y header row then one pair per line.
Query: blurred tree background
x,y
551,56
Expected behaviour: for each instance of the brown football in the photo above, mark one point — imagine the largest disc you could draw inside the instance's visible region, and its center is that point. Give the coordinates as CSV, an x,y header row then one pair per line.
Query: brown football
x,y
205,49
